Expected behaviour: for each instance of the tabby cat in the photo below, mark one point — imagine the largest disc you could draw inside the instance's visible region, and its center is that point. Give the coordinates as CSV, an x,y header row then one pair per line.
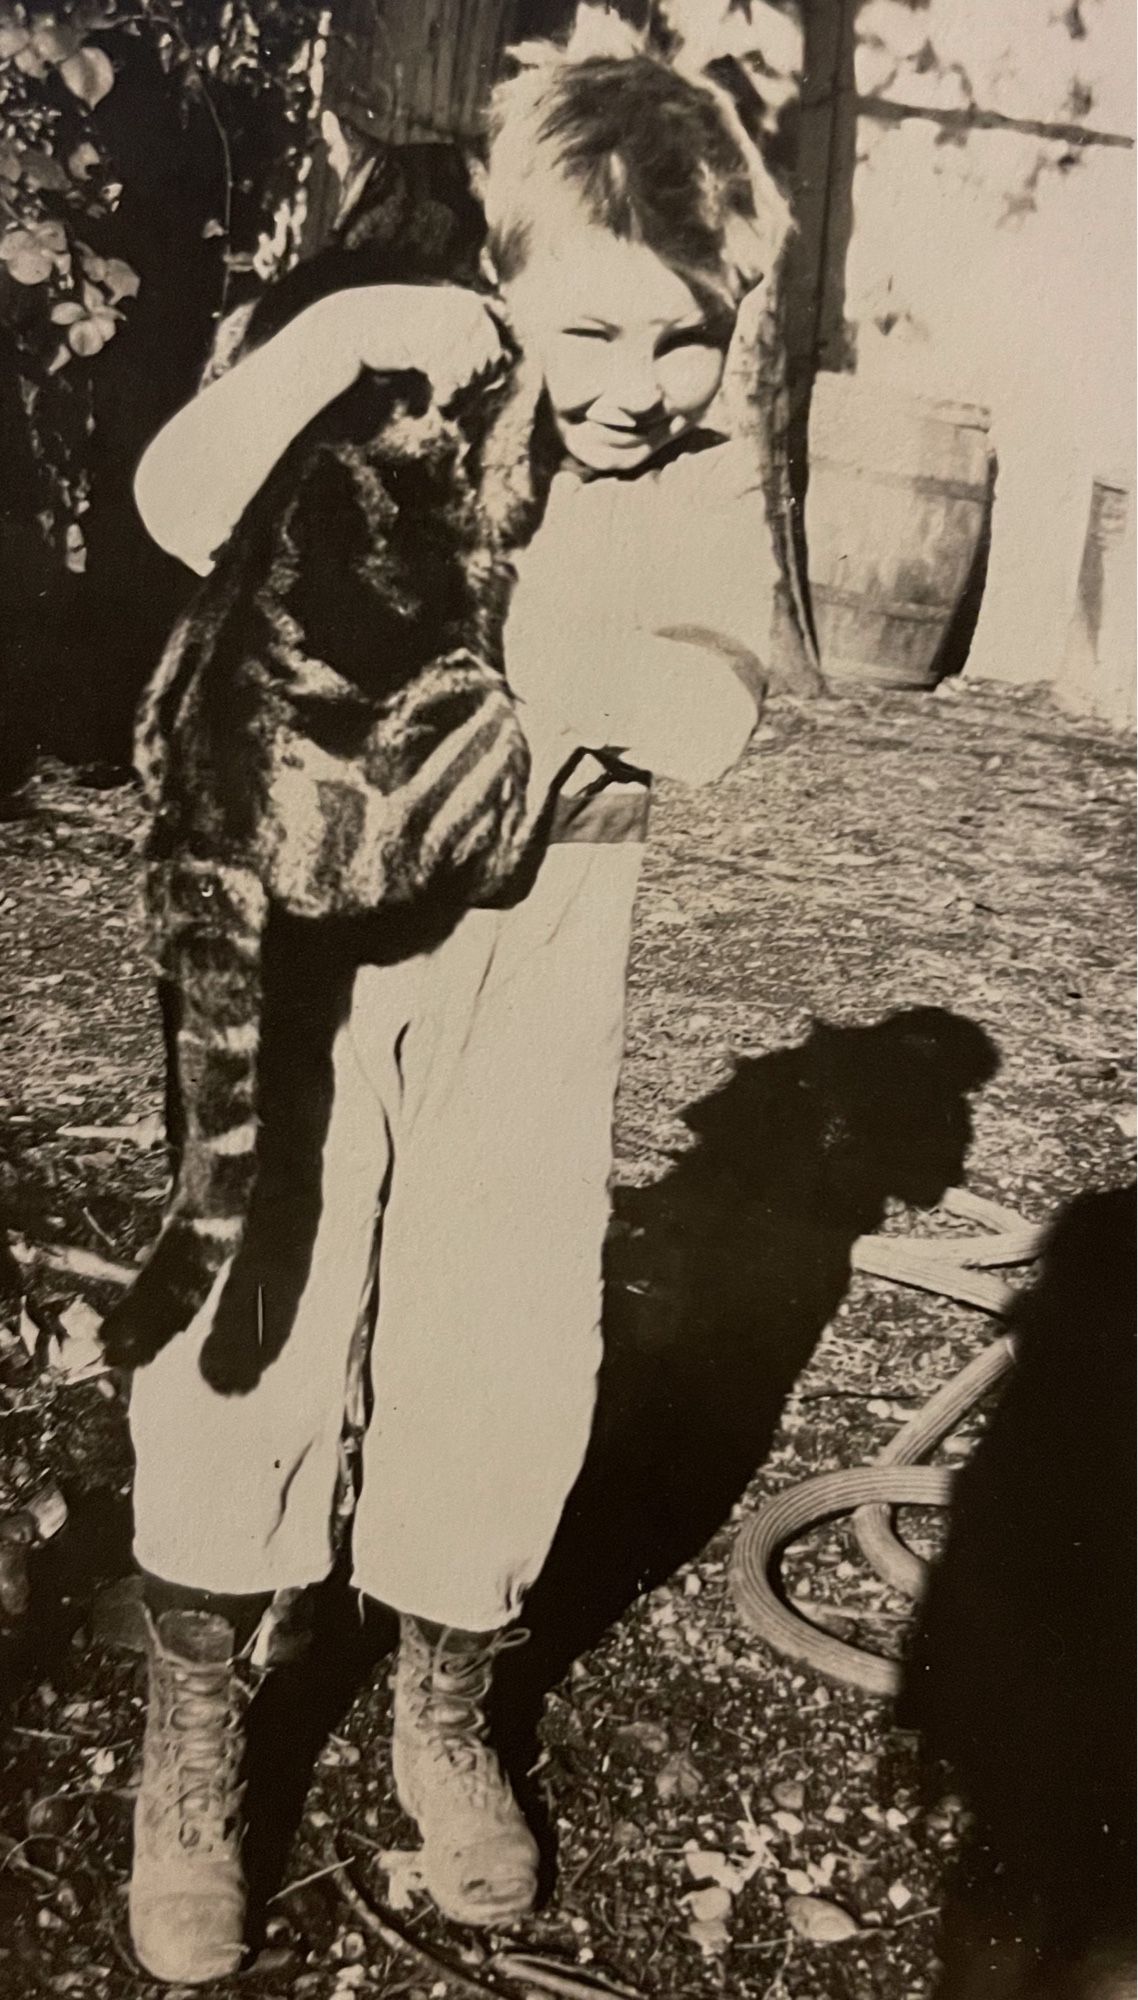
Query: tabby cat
x,y
329,738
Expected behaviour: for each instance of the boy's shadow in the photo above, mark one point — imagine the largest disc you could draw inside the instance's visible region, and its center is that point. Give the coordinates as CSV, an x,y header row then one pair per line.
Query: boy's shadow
x,y
720,1280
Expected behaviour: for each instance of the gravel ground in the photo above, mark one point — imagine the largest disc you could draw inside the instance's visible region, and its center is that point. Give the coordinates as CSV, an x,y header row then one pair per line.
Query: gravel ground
x,y
969,852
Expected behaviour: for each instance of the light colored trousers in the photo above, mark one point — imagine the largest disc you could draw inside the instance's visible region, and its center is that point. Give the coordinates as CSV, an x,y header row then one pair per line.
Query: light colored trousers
x,y
469,1150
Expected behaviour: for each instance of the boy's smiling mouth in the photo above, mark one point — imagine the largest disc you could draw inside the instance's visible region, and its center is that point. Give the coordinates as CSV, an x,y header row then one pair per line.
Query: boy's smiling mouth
x,y
627,442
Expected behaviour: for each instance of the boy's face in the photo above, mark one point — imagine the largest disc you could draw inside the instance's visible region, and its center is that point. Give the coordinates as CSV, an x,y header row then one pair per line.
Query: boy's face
x,y
630,358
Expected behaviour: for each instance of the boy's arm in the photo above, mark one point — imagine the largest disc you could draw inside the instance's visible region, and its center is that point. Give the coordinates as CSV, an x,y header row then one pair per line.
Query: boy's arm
x,y
682,704
198,475
680,696
201,471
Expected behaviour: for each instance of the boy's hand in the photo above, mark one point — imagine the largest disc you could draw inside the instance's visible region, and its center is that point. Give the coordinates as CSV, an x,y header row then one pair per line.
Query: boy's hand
x,y
443,330
192,485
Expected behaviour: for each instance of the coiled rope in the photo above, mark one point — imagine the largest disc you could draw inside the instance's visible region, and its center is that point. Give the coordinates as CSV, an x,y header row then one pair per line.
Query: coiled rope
x,y
957,1268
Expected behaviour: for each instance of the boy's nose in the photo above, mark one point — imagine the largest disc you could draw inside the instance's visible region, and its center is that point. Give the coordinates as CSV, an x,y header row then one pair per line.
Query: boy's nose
x,y
636,389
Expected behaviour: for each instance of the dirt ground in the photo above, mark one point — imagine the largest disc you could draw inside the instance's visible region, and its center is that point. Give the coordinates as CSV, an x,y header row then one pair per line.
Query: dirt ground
x,y
969,852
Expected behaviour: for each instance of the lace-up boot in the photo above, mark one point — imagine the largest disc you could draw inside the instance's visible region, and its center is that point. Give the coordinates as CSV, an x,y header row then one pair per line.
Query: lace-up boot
x,y
187,1890
480,1859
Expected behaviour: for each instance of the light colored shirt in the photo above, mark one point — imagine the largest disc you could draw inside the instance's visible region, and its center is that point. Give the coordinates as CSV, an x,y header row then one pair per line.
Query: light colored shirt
x,y
640,623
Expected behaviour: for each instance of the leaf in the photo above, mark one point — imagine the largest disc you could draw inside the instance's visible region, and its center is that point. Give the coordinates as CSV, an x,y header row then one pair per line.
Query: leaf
x,y
710,1909
707,1864
798,1880
41,170
48,1510
679,1778
757,1840
67,312
13,38
80,1352
55,41
121,279
9,164
43,244
818,1921
30,63
790,1794
30,267
403,1868
14,242
642,1738
89,75
83,160
709,1906
75,558
87,337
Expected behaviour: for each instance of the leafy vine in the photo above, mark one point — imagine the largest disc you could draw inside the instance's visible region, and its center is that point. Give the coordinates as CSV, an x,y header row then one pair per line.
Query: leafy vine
x,y
241,63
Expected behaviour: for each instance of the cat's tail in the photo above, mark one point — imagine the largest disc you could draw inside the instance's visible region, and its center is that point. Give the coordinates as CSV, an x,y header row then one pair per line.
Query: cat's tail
x,y
209,920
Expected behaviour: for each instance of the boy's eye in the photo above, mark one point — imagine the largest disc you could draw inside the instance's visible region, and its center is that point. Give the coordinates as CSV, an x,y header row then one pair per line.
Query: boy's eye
x,y
587,332
703,335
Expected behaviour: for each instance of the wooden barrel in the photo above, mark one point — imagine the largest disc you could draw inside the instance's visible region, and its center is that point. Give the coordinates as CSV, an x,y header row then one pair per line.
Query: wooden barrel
x,y
896,508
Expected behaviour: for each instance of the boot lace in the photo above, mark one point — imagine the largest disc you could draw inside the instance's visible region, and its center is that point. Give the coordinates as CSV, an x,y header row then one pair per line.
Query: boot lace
x,y
452,1688
204,1715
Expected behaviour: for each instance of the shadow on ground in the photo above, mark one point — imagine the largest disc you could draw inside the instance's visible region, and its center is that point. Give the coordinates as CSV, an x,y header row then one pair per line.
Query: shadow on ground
x,y
720,1281
1021,1670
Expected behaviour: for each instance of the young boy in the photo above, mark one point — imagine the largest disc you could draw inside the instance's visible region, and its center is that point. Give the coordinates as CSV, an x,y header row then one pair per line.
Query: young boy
x,y
474,1085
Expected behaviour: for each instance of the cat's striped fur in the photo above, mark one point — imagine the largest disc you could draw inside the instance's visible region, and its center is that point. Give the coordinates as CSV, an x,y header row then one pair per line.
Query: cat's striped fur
x,y
329,739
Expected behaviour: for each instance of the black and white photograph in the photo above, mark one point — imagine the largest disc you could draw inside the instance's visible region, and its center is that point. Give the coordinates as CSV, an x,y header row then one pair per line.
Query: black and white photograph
x,y
567,999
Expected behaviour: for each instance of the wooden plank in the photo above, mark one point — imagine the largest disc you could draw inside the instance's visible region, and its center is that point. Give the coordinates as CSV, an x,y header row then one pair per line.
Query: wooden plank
x,y
422,68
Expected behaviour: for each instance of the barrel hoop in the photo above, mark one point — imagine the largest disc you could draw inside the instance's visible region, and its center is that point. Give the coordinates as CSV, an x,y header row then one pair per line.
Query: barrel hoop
x,y
911,482
856,600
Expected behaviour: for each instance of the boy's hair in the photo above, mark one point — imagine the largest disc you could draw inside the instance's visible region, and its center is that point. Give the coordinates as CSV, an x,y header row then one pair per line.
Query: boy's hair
x,y
653,154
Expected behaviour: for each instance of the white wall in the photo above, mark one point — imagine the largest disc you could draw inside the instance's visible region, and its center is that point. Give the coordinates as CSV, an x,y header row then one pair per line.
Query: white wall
x,y
997,266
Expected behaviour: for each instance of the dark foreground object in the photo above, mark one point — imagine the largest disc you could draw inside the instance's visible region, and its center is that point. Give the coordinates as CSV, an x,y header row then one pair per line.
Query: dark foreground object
x,y
1021,1674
